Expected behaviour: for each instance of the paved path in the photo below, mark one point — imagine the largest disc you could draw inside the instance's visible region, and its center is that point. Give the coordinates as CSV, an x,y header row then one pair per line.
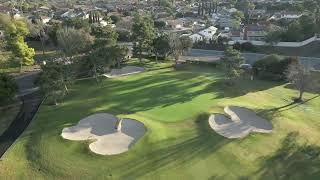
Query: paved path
x,y
213,55
31,99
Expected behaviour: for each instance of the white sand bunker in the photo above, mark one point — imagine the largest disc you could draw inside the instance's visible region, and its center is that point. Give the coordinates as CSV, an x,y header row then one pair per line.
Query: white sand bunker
x,y
242,122
125,71
110,135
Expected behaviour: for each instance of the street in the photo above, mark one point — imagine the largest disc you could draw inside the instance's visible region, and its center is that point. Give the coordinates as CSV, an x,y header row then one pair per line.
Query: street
x,y
250,58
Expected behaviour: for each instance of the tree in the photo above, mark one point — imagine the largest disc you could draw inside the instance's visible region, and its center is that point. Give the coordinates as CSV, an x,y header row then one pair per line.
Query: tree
x,y
104,57
38,31
231,62
273,37
94,17
179,46
54,79
124,35
165,3
77,23
117,54
73,41
8,88
115,19
300,77
308,26
160,24
238,16
245,6
161,46
294,32
143,33
104,35
96,62
15,33
273,67
53,28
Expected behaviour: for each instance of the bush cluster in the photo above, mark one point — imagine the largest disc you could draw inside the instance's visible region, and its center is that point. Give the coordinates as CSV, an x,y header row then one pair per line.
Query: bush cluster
x,y
272,67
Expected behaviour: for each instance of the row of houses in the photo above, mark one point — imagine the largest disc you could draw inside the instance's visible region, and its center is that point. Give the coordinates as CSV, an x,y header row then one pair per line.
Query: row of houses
x,y
249,33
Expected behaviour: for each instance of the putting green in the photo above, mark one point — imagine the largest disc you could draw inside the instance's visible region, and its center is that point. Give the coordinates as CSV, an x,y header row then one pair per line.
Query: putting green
x,y
179,144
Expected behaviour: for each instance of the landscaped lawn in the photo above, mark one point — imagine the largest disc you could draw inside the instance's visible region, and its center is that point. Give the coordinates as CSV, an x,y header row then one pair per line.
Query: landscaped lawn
x,y
174,106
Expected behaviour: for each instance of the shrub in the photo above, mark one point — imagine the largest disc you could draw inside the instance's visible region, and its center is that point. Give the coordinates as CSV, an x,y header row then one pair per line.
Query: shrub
x,y
237,46
124,35
272,67
8,88
115,19
247,46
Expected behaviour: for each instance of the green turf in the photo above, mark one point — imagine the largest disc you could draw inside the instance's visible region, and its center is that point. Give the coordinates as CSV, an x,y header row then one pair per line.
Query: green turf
x,y
174,106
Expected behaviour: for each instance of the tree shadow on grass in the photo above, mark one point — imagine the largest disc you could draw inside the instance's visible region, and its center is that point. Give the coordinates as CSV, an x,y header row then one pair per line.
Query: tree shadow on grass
x,y
315,89
273,112
240,87
292,161
169,88
174,155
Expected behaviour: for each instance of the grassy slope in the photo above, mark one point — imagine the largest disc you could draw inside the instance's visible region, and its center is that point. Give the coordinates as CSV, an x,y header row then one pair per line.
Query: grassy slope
x,y
174,105
7,116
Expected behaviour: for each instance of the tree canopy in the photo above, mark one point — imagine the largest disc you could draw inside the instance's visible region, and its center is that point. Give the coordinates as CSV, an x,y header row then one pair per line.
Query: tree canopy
x,y
231,62
15,33
143,32
73,41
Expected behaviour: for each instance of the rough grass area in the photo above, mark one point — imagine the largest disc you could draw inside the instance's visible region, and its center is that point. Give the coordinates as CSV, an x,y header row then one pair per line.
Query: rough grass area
x,y
179,144
7,115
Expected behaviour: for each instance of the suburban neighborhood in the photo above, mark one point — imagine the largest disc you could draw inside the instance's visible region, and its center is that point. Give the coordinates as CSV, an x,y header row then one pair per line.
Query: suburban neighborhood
x,y
160,89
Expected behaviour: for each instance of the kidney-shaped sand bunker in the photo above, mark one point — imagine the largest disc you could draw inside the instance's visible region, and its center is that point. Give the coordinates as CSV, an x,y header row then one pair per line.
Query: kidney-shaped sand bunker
x,y
242,121
110,135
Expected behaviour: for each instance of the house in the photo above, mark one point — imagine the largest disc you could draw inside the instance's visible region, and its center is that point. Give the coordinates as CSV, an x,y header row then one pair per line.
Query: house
x,y
175,24
36,19
73,14
286,16
257,14
254,33
236,35
225,21
196,37
206,34
45,19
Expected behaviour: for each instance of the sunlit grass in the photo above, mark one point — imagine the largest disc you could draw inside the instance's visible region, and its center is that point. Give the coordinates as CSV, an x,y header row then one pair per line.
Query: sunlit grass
x,y
174,106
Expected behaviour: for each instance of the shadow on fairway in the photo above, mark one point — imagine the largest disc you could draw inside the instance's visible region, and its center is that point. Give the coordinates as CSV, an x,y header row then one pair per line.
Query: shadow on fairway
x,y
165,89
292,161
199,147
273,112
240,87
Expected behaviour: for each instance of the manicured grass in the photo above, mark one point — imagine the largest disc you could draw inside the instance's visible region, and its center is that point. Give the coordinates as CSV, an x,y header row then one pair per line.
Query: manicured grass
x,y
174,106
